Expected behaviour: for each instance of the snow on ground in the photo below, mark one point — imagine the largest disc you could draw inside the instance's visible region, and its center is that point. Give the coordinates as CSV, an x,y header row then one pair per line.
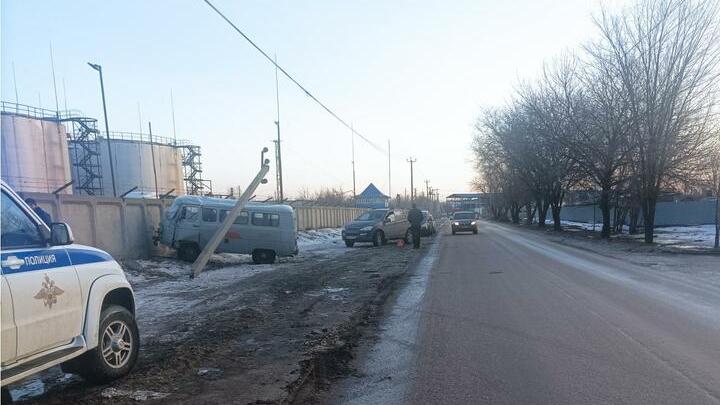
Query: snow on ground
x,y
679,236
163,289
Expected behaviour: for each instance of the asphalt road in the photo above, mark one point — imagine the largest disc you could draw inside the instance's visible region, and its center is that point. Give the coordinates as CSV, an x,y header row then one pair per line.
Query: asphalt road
x,y
506,317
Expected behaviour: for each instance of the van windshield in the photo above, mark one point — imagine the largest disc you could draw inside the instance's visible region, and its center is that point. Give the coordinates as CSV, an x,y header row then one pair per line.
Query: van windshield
x,y
371,216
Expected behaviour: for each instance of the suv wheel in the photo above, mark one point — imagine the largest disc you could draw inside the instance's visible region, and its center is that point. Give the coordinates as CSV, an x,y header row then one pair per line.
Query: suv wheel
x,y
349,243
378,238
117,349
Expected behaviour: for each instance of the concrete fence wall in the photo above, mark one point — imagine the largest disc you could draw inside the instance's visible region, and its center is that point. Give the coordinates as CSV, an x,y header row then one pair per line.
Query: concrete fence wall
x,y
325,217
125,227
666,213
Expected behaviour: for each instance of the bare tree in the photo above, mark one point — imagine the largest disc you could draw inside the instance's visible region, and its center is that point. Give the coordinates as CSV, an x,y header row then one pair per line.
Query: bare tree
x,y
665,53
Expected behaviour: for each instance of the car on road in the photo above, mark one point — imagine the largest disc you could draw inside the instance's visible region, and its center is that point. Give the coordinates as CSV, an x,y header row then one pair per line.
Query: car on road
x,y
62,303
464,221
427,228
264,231
377,226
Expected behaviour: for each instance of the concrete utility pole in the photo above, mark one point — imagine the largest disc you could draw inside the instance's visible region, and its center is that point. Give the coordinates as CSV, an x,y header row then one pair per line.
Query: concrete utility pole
x,y
219,235
412,183
352,133
107,129
278,153
152,156
427,188
389,175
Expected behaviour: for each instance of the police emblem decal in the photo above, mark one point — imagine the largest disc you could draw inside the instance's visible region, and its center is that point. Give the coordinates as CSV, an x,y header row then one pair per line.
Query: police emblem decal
x,y
49,292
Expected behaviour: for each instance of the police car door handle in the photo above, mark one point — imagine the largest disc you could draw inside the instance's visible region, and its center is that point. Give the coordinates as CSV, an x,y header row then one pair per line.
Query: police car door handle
x,y
12,261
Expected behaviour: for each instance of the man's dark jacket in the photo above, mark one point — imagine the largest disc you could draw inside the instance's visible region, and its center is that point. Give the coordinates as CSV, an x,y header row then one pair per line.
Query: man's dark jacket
x,y
415,217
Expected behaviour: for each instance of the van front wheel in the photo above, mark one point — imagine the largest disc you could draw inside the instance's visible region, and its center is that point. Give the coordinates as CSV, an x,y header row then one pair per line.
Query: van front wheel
x,y
263,256
188,252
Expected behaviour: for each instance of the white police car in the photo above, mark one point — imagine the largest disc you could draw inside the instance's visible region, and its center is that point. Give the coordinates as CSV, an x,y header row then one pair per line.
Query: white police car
x,y
62,303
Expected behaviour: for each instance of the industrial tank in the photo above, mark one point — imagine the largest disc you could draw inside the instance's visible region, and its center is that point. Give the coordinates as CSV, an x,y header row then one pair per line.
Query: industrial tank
x,y
133,165
34,154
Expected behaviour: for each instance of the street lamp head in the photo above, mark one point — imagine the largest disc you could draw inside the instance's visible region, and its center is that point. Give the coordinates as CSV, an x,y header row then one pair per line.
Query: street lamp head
x,y
95,66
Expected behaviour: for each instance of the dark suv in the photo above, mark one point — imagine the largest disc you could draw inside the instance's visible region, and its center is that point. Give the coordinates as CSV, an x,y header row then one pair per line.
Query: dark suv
x,y
464,221
377,226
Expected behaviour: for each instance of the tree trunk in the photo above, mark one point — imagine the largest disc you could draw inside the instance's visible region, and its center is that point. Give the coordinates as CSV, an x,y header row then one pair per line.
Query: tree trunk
x,y
605,210
542,213
530,211
515,213
634,213
649,217
556,216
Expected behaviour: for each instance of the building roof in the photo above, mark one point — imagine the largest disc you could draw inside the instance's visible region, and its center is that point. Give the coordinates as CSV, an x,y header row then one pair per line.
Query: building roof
x,y
372,192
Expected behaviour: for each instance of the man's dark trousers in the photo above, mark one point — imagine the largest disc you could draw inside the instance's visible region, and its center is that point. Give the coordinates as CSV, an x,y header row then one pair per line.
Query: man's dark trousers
x,y
415,236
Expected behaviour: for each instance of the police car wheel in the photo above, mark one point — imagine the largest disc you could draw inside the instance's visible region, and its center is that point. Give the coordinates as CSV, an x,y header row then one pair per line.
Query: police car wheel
x,y
349,243
117,349
6,397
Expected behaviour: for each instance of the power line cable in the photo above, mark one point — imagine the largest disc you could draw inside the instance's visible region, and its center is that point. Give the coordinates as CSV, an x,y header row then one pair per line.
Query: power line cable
x,y
321,104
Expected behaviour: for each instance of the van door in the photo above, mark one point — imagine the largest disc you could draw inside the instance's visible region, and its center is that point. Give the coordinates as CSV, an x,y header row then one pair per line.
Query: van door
x,y
237,239
208,225
265,230
43,285
187,226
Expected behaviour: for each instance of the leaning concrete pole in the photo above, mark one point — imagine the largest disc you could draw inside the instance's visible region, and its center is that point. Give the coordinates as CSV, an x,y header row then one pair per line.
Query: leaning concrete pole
x,y
219,235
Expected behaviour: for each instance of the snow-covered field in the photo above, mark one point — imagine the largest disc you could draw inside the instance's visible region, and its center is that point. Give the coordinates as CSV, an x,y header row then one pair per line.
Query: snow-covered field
x,y
690,236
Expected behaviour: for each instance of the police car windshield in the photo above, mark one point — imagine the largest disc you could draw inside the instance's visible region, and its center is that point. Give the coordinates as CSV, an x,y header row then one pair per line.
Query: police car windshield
x,y
371,216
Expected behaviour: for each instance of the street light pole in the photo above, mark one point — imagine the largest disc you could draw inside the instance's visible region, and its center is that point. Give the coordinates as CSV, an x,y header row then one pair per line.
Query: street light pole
x,y
107,130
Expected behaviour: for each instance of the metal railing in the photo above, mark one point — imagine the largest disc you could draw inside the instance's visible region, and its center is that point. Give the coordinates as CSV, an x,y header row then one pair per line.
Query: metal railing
x,y
140,137
29,111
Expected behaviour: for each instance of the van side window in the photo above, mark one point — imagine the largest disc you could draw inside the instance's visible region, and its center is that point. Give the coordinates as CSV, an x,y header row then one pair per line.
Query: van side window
x,y
242,218
265,219
209,215
18,230
190,213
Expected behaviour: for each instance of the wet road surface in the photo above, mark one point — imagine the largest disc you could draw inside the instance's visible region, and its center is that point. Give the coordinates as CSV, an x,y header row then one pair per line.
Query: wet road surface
x,y
506,317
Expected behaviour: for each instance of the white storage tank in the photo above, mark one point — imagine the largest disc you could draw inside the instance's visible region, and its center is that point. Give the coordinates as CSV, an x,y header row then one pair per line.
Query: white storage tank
x,y
133,165
34,154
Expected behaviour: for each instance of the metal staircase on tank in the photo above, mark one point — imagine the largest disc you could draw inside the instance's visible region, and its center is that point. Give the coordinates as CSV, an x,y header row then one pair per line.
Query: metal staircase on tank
x,y
192,171
85,155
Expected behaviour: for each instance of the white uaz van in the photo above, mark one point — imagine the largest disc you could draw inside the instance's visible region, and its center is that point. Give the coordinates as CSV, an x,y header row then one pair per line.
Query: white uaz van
x,y
62,303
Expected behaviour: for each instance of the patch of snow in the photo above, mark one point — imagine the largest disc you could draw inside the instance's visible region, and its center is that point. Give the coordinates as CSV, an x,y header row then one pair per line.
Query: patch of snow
x,y
678,236
139,395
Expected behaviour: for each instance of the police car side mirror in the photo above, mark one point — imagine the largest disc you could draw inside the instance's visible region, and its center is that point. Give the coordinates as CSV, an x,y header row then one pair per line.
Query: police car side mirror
x,y
60,234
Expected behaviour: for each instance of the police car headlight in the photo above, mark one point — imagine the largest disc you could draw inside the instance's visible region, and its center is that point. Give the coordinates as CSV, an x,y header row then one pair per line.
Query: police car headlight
x,y
456,223
472,223
366,229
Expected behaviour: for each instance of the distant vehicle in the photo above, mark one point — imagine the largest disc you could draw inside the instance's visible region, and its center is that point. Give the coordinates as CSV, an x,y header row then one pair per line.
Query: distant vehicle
x,y
428,225
264,231
62,303
377,226
464,221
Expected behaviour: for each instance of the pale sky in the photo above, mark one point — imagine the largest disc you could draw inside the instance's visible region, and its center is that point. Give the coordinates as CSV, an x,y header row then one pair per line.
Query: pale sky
x,y
414,72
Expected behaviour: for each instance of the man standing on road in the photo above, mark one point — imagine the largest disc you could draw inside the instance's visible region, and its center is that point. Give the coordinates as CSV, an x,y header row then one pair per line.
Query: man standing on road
x,y
415,217
39,211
